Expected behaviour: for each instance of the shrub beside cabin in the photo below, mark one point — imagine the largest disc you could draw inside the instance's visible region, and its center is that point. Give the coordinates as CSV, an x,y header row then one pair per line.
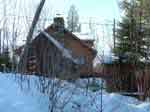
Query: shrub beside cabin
x,y
56,51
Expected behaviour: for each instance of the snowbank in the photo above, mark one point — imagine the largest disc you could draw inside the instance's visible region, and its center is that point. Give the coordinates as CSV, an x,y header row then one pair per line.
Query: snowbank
x,y
71,98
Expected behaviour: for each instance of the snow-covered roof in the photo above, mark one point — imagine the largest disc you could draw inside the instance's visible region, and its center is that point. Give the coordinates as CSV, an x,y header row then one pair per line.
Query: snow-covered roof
x,y
107,59
84,36
64,51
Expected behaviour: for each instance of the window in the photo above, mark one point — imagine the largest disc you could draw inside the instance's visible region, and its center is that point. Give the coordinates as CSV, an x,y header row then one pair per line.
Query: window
x,y
81,60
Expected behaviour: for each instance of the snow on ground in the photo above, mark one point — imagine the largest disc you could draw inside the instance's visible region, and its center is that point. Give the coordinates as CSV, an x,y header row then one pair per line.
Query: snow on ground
x,y
14,99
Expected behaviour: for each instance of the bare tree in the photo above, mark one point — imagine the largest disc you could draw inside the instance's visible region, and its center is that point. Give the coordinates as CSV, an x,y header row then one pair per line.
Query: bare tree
x,y
30,34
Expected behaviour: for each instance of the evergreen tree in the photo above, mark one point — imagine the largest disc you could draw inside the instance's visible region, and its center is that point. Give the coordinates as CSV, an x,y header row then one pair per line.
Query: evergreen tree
x,y
73,20
132,41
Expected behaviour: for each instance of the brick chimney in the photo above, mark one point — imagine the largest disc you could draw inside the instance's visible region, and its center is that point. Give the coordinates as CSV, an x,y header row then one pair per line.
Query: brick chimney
x,y
59,24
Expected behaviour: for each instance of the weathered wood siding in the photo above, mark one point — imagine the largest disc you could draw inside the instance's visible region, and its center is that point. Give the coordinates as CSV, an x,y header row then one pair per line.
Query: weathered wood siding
x,y
78,49
49,60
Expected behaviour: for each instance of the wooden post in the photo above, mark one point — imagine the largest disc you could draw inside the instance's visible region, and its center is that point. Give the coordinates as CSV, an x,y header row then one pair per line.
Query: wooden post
x,y
32,62
114,32
0,40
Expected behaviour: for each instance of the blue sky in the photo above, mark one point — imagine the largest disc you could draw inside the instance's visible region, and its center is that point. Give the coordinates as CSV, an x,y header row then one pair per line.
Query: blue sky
x,y
97,8
103,9
107,9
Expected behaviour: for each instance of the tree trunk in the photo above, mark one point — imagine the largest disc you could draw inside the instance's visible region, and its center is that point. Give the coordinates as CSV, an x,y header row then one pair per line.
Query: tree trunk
x,y
23,59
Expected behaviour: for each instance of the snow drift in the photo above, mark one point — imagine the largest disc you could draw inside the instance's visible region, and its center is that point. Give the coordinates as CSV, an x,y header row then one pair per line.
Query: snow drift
x,y
16,96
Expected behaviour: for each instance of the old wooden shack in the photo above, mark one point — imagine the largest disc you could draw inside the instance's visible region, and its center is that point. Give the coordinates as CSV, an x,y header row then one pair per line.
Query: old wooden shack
x,y
58,52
